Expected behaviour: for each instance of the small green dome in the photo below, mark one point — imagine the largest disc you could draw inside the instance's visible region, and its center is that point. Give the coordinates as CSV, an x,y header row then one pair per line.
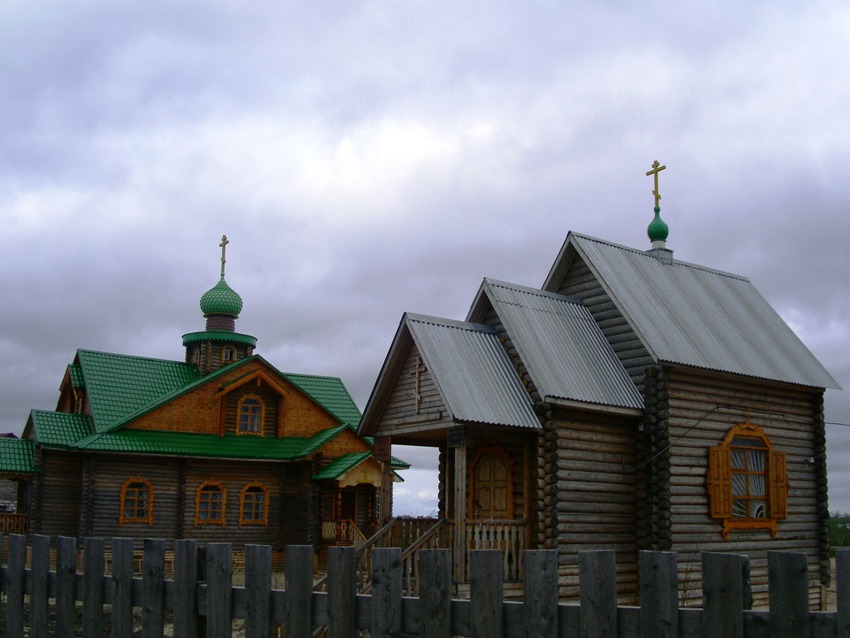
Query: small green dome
x,y
221,299
657,229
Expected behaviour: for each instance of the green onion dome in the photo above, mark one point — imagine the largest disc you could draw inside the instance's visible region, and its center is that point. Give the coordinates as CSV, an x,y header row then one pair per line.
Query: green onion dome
x,y
221,299
657,229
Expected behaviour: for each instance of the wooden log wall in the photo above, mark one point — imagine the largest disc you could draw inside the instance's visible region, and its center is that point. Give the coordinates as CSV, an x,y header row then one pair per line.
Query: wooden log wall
x,y
57,494
590,494
701,409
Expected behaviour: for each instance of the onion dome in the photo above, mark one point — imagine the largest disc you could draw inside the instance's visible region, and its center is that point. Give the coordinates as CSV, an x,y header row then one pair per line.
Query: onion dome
x,y
221,299
657,229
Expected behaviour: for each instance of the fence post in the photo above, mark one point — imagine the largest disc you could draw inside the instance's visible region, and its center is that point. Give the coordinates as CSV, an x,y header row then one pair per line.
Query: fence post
x,y
219,590
842,590
40,578
386,593
122,587
598,593
723,595
659,604
540,593
435,593
486,593
788,580
153,588
66,585
93,587
258,587
298,613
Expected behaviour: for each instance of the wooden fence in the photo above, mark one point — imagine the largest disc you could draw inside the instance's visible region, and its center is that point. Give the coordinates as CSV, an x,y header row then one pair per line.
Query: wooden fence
x,y
67,599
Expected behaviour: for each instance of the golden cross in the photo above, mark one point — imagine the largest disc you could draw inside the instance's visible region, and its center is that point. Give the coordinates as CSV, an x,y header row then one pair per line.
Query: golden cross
x,y
223,245
656,168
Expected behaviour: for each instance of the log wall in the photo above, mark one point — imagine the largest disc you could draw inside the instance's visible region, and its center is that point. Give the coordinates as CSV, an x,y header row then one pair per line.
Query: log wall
x,y
57,494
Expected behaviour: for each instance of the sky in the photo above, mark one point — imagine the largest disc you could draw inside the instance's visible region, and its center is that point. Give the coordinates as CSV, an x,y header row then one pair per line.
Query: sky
x,y
371,158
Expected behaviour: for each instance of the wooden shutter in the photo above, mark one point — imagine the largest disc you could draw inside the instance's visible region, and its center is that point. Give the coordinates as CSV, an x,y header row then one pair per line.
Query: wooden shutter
x,y
778,479
720,482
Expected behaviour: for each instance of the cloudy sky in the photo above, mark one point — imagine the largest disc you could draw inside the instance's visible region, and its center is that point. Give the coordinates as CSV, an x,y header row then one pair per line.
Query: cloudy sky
x,y
368,158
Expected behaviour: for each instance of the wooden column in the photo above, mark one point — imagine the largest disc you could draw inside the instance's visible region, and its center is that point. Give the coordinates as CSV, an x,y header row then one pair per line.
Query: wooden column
x,y
382,451
460,511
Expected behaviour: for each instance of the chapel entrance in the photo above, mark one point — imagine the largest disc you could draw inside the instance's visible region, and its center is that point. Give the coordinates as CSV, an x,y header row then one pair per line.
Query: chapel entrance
x,y
492,486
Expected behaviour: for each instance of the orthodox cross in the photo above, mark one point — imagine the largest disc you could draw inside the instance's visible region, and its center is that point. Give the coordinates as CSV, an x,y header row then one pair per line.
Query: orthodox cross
x,y
417,389
223,245
656,168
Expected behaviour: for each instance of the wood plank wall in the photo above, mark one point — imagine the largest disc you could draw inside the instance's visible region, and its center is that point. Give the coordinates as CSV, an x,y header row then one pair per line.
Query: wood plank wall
x,y
702,408
57,494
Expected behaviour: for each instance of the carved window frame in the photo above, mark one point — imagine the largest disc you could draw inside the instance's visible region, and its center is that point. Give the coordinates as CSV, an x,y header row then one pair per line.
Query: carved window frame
x,y
251,489
730,499
205,504
250,414
129,501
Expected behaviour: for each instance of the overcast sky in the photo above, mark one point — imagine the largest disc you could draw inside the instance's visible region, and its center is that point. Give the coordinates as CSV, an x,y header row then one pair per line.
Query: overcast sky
x,y
371,158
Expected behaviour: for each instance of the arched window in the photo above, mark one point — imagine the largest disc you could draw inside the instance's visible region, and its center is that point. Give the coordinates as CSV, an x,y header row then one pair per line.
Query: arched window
x,y
251,412
210,504
747,481
254,505
136,504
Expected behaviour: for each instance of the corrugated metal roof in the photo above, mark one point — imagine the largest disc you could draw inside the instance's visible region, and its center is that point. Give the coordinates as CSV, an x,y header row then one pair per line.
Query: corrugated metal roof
x,y
566,354
696,316
472,371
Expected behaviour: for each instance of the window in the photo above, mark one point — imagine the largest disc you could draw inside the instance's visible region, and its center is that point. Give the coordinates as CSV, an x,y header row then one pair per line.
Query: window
x,y
251,410
210,504
227,354
254,505
136,504
747,481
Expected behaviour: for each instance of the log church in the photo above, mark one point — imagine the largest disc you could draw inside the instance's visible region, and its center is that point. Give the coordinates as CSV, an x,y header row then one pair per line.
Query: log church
x,y
220,446
633,401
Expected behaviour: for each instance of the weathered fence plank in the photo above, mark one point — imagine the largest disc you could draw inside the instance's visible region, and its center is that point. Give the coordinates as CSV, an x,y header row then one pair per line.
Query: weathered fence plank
x,y
486,593
386,593
122,587
540,594
788,580
723,595
153,589
93,555
14,585
66,586
298,609
842,591
435,593
40,586
219,590
185,589
258,587
342,593
659,611
598,595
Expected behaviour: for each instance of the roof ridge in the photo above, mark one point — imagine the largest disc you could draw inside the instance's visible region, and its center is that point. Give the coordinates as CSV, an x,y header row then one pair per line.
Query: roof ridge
x,y
450,323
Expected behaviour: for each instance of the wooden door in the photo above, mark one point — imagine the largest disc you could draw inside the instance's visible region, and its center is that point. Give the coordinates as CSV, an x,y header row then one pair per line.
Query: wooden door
x,y
492,485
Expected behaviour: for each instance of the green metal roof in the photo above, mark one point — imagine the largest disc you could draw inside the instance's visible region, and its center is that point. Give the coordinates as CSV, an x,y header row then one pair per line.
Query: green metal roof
x,y
206,445
121,385
17,456
341,465
330,393
219,335
76,375
60,429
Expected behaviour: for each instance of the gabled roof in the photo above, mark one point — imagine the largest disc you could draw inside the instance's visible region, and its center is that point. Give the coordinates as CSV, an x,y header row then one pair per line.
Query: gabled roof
x,y
59,429
341,465
472,371
330,393
119,386
560,344
691,315
17,456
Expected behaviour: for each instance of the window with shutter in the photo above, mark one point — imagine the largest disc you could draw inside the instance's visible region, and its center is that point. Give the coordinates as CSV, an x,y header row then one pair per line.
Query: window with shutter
x,y
747,481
